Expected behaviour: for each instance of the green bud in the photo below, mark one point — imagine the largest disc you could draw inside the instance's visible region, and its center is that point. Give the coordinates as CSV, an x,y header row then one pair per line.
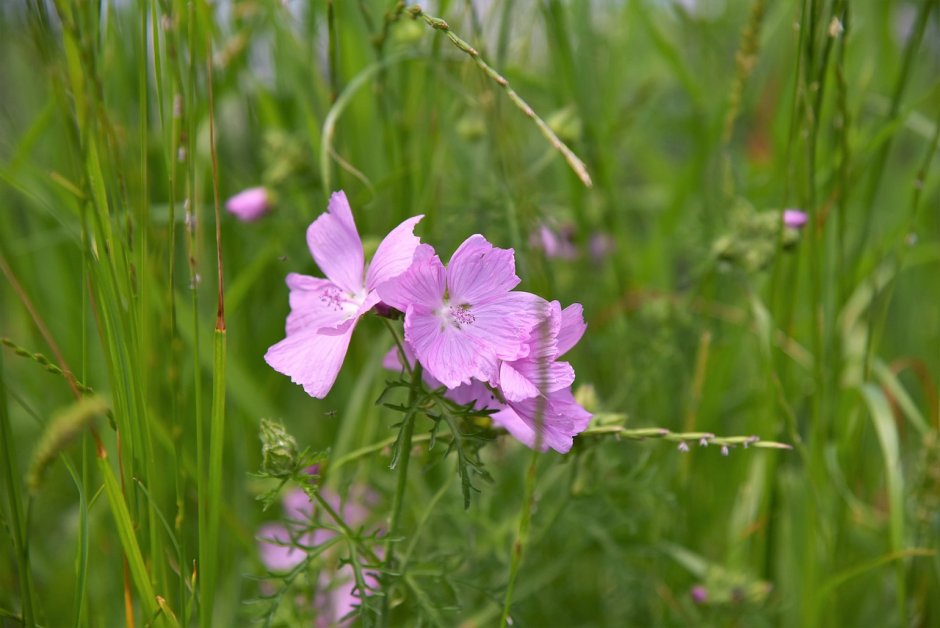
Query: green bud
x,y
278,449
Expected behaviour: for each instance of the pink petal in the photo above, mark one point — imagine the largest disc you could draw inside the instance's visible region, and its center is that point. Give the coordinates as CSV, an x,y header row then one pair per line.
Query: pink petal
x,y
447,354
297,506
394,255
315,303
514,385
572,327
476,393
542,339
478,271
278,553
336,246
249,205
311,359
502,325
509,420
526,378
558,417
391,361
423,284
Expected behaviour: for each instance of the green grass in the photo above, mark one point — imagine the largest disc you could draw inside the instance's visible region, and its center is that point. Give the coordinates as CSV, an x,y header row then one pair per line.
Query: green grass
x,y
124,126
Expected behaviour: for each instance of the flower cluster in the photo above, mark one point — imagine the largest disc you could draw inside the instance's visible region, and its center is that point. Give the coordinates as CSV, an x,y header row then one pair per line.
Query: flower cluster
x,y
464,323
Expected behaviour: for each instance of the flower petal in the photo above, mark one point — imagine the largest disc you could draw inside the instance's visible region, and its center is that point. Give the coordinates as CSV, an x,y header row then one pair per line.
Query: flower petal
x,y
315,303
311,359
526,378
336,246
394,255
558,417
423,284
447,354
572,327
502,325
478,272
542,339
514,385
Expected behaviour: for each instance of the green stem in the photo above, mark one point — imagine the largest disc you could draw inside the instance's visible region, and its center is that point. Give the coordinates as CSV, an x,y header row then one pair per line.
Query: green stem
x,y
404,456
347,531
574,162
11,478
525,521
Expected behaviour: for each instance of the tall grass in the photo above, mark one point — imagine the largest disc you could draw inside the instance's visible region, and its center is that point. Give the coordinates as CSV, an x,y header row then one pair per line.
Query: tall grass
x,y
125,125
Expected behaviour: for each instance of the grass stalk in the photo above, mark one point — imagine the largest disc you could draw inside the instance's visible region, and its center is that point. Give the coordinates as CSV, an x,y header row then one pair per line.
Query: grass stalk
x,y
18,524
398,498
574,162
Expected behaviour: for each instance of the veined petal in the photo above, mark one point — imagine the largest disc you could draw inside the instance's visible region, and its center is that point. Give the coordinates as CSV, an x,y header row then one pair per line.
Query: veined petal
x,y
501,326
476,393
394,255
542,340
514,385
526,378
423,284
316,303
558,417
509,420
478,272
336,246
446,353
311,359
572,327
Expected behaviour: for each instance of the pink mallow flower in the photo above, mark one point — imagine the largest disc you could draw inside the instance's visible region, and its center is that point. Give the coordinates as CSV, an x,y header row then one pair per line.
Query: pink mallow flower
x,y
461,320
324,312
249,205
537,406
533,399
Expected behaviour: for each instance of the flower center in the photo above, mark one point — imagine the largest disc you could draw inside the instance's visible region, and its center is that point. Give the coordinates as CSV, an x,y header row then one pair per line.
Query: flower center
x,y
339,301
461,315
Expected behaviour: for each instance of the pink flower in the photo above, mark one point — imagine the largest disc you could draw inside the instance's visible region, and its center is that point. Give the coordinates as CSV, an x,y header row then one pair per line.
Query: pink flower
x,y
250,204
533,399
794,218
556,243
539,406
284,546
324,312
461,320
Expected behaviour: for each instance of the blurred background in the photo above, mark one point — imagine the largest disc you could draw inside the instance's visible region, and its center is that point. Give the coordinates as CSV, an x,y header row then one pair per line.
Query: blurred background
x,y
125,126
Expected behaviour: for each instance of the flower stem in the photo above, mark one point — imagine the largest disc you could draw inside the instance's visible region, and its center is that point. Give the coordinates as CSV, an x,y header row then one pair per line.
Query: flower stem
x,y
525,520
404,456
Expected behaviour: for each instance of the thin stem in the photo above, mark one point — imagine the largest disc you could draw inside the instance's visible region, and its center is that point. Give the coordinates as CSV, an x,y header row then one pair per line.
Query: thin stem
x,y
402,356
347,531
404,456
573,160
525,522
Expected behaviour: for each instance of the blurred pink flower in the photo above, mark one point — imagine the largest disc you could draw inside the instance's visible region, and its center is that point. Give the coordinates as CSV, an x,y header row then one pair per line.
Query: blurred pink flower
x,y
283,546
249,205
324,312
557,243
600,246
794,218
